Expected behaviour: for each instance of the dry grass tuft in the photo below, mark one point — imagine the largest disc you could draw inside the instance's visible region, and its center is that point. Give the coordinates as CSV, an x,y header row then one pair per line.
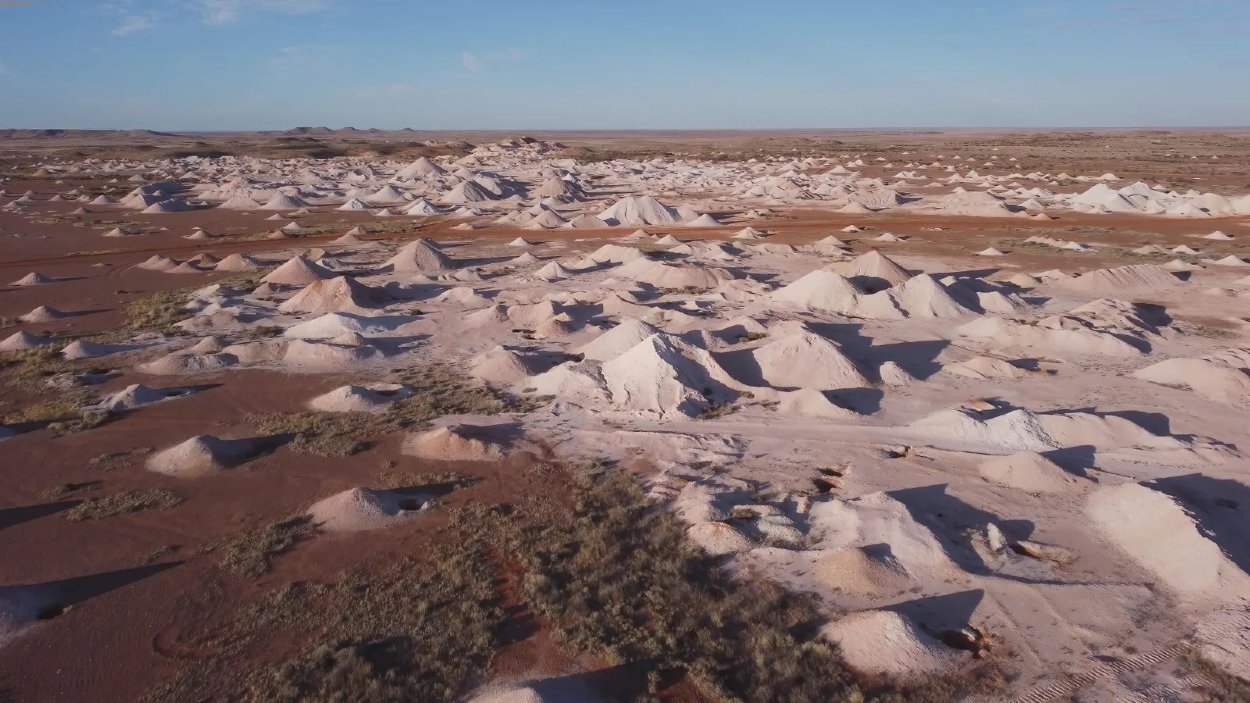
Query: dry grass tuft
x,y
251,553
406,632
59,416
612,573
158,312
439,391
112,460
321,434
122,504
620,580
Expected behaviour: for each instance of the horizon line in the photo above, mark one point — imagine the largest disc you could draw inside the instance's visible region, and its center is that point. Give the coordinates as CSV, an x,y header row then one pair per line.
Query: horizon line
x,y
176,131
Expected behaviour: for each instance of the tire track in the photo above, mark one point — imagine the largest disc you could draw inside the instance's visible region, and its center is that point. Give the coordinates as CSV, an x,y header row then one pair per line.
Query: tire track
x,y
1076,682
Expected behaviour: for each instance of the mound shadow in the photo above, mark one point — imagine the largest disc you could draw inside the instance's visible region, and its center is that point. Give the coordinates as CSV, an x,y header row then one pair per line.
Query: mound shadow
x,y
1220,507
52,598
938,614
953,522
16,516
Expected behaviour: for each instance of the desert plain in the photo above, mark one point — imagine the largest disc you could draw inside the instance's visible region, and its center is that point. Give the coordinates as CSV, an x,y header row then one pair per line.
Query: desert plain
x,y
681,416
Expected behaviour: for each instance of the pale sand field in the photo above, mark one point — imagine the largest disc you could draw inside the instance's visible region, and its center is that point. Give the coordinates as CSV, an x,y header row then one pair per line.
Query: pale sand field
x,y
982,396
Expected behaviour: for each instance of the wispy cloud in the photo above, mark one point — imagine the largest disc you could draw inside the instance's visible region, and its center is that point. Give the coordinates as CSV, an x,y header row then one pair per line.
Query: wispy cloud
x,y
134,23
227,11
474,62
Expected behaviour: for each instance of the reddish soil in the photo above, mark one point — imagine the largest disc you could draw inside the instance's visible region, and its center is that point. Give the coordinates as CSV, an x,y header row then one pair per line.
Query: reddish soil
x,y
149,596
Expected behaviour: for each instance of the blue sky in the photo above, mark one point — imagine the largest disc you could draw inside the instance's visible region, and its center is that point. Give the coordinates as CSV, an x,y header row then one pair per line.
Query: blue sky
x,y
569,64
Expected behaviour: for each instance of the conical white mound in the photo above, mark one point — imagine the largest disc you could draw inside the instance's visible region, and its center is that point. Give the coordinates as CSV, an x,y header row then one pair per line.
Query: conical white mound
x,y
420,255
201,455
459,443
297,271
358,509
807,360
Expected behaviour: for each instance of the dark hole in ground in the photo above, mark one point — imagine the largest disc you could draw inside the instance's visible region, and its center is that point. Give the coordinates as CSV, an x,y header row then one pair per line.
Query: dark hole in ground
x,y
51,611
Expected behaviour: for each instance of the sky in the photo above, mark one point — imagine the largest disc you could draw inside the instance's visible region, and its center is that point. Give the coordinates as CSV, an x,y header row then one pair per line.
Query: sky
x,y
210,65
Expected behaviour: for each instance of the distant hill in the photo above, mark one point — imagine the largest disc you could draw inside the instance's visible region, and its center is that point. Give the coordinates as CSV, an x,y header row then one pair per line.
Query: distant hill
x,y
80,133
340,132
307,131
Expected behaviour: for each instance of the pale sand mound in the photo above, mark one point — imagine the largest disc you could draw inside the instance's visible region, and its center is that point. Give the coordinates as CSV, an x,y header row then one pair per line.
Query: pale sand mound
x,y
869,569
457,443
534,314
718,538
1079,429
873,271
917,296
23,340
201,455
1209,379
819,290
464,296
806,402
1231,260
555,326
616,254
880,519
208,345
33,278
617,340
420,255
340,294
639,210
923,296
1157,533
370,398
1023,280
298,271
137,395
885,642
1136,277
563,689
157,262
331,324
365,509
1029,471
184,362
1002,303
1034,339
238,262
326,355
671,276
894,375
1021,430
807,360
553,271
86,349
664,375
985,368
348,239
505,367
43,313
